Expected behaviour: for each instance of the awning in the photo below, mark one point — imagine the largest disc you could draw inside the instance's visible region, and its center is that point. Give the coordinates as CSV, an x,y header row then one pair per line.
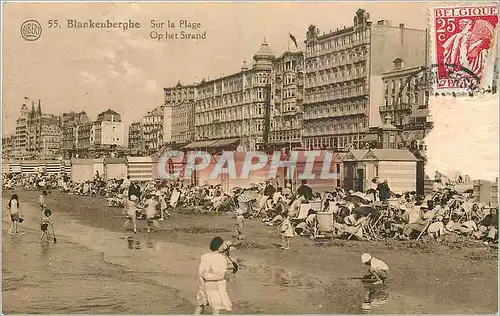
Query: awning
x,y
224,142
370,138
200,144
421,113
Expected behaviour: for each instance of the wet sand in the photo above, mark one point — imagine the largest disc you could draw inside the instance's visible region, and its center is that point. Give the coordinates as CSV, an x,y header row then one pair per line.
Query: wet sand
x,y
91,270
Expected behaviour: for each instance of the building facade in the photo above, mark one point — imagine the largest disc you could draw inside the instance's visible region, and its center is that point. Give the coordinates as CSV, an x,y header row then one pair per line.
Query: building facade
x,y
343,77
8,147
35,132
21,134
70,126
136,137
152,129
287,95
405,101
108,130
51,141
181,103
237,107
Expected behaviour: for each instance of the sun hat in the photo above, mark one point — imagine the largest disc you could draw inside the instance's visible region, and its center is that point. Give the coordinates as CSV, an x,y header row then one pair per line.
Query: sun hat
x,y
366,257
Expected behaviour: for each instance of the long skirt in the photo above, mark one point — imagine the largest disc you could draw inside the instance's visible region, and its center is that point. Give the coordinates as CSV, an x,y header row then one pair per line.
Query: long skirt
x,y
214,294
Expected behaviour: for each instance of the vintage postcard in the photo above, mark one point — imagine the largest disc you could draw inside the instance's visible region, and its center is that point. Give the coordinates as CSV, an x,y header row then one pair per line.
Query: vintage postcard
x,y
243,158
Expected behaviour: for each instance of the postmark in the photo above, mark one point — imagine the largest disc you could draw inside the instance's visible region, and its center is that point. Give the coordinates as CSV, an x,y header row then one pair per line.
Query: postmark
x,y
463,41
31,30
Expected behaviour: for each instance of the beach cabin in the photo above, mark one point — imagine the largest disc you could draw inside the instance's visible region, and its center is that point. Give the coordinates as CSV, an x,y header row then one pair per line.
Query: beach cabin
x,y
82,169
397,166
115,168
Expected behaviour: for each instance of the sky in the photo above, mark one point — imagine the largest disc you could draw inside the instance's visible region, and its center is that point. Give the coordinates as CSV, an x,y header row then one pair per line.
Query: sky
x,y
92,70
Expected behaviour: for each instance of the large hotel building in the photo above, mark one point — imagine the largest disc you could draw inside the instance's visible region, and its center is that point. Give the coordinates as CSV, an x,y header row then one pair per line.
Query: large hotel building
x,y
344,70
258,106
327,97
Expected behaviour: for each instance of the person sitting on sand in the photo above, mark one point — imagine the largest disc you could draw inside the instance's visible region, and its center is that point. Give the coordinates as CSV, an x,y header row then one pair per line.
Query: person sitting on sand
x,y
378,268
212,278
488,226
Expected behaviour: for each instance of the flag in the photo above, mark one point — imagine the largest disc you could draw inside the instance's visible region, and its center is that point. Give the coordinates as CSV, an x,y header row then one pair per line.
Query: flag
x,y
293,39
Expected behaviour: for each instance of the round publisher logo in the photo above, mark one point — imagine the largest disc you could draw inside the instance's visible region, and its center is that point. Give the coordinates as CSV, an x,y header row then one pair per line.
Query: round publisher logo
x,y
31,30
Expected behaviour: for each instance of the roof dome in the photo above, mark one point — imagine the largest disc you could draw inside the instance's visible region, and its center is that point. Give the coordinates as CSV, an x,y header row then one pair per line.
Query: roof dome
x,y
264,52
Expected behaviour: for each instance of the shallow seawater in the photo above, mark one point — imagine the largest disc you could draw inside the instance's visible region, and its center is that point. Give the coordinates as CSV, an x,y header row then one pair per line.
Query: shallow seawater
x,y
68,278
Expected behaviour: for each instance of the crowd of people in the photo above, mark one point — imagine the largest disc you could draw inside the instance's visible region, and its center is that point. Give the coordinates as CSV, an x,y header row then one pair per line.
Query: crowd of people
x,y
375,214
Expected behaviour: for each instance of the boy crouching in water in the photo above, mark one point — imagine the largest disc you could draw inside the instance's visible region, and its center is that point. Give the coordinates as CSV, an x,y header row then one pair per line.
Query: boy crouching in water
x,y
378,268
287,231
45,225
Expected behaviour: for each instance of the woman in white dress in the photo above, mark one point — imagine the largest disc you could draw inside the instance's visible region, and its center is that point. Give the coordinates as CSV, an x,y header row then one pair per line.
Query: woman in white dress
x,y
130,208
15,213
212,276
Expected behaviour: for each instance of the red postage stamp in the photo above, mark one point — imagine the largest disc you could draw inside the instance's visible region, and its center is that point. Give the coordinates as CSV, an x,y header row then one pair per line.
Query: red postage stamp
x,y
463,45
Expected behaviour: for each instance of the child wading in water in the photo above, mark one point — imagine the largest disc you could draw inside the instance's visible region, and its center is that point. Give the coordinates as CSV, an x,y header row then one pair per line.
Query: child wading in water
x,y
286,231
45,225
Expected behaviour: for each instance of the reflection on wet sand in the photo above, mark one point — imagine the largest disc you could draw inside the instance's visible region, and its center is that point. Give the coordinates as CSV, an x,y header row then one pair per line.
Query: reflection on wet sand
x,y
375,297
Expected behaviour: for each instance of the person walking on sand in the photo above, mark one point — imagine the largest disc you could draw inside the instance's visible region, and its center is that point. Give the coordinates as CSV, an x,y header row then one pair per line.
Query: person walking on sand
x,y
287,232
131,208
240,223
15,213
41,202
212,278
151,210
378,268
45,225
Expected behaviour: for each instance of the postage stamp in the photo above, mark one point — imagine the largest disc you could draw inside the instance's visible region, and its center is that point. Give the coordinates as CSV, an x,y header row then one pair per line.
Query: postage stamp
x,y
463,41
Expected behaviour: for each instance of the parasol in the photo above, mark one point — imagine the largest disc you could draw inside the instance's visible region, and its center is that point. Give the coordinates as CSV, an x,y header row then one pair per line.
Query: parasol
x,y
248,195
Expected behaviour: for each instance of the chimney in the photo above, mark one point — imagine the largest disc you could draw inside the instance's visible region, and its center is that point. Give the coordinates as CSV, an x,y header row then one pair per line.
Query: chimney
x,y
402,25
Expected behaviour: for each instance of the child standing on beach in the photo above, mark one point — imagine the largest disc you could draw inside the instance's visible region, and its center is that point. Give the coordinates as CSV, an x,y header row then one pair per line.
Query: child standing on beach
x,y
150,210
45,225
240,223
286,231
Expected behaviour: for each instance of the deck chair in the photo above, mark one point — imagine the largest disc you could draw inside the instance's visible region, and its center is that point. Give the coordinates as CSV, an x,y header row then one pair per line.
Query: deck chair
x,y
324,226
429,221
317,206
174,199
362,225
304,211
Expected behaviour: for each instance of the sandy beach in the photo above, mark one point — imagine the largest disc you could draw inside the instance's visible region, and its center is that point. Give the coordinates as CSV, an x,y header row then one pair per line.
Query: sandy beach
x,y
91,270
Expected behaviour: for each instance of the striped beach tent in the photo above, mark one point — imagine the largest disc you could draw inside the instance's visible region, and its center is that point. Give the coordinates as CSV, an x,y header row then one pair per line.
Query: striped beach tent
x,y
66,166
53,166
5,166
15,166
140,168
32,166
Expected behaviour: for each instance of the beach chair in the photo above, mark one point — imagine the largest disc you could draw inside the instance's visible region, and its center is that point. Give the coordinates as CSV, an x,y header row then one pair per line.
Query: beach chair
x,y
429,221
317,206
324,226
304,211
363,226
